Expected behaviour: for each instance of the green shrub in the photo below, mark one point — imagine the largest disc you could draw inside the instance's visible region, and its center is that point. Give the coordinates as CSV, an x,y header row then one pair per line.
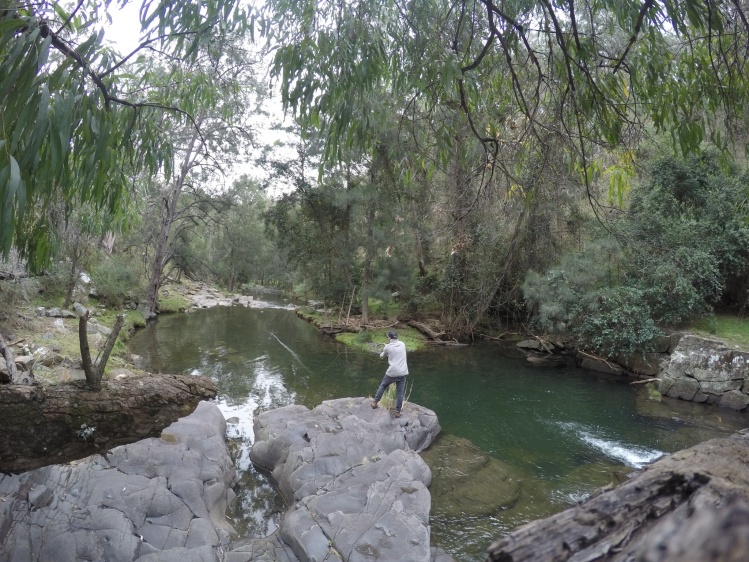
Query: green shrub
x,y
672,257
54,282
116,280
621,322
588,300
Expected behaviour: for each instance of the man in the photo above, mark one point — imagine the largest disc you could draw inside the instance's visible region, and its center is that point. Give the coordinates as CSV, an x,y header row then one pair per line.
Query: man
x,y
395,351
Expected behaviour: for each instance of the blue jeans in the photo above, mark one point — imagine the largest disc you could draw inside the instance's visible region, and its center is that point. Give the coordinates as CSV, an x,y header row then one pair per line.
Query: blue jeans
x,y
400,387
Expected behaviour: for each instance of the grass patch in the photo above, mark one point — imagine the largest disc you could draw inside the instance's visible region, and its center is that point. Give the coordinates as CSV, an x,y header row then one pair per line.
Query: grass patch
x,y
133,319
173,302
389,399
375,340
314,317
733,329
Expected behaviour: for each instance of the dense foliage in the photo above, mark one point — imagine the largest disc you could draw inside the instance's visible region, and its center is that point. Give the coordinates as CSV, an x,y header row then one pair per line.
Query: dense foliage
x,y
75,125
681,250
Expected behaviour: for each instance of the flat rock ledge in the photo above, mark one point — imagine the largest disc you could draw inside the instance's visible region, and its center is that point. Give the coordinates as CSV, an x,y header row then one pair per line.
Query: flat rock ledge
x,y
357,491
692,506
158,499
353,478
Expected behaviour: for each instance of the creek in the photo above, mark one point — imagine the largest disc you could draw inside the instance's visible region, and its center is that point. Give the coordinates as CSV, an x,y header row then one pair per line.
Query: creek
x,y
562,433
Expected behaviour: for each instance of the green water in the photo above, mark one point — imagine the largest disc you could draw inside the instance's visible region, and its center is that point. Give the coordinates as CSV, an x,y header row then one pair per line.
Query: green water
x,y
562,433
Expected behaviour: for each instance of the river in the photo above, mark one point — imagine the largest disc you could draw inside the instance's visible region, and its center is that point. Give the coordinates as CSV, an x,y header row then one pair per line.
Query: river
x,y
563,432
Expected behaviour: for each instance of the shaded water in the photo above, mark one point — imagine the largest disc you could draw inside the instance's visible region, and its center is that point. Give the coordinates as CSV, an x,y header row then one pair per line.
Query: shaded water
x,y
562,433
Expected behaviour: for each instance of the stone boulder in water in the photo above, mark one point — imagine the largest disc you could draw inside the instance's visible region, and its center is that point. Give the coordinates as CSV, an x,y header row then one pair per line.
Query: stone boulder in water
x,y
467,481
157,499
353,478
356,485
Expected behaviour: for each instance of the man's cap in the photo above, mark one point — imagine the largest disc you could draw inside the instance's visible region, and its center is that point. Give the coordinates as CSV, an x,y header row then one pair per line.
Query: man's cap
x,y
392,335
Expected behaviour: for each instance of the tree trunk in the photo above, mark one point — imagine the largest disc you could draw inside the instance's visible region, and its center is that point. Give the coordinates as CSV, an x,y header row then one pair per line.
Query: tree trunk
x,y
369,251
426,330
72,280
420,209
95,371
10,362
457,266
160,258
60,423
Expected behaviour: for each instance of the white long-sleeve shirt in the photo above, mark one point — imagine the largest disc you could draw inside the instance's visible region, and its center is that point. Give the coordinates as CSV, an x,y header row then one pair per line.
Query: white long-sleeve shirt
x,y
395,351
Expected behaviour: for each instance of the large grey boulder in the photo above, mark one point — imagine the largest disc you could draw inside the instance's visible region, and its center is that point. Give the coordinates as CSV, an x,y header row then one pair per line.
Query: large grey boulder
x,y
164,499
705,370
157,499
353,478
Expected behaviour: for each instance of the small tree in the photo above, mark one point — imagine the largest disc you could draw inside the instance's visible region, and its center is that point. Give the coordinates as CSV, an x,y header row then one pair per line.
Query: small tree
x,y
94,370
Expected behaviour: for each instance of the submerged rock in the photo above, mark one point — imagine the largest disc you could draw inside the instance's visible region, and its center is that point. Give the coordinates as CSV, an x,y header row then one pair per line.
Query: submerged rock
x,y
467,481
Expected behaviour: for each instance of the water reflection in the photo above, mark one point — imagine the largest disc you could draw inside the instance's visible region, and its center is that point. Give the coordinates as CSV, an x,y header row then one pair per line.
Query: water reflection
x,y
560,434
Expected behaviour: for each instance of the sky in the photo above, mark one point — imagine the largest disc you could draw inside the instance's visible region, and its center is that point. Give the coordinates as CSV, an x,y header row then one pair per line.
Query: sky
x,y
124,34
125,29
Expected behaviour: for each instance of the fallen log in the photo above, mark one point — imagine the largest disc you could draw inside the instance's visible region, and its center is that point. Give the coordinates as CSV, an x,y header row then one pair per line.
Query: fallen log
x,y
447,343
426,330
689,506
59,423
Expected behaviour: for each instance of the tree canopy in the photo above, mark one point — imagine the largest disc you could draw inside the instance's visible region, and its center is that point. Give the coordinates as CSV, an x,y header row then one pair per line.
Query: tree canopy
x,y
75,123
596,72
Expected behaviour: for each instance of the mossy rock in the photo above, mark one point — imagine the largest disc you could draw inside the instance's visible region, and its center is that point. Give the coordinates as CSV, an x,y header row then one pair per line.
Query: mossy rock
x,y
467,481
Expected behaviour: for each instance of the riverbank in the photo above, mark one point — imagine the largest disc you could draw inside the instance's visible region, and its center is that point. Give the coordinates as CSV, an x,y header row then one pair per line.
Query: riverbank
x,y
44,335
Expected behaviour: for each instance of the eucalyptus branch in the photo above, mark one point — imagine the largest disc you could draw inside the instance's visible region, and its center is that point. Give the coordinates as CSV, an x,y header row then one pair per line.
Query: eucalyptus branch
x,y
640,18
147,43
71,16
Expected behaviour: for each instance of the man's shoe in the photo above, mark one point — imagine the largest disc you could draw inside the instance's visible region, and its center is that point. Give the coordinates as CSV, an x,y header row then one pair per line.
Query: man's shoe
x,y
374,404
397,414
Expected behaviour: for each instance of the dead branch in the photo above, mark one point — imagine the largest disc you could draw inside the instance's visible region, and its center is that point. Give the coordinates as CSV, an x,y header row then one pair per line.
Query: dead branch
x,y
646,381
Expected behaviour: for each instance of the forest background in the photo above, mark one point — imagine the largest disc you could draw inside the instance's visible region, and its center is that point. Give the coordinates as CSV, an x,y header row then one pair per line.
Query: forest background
x,y
575,169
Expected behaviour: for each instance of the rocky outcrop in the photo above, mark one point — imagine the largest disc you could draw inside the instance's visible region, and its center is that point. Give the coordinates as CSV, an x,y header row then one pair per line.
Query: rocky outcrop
x,y
685,366
356,487
705,370
543,353
690,506
59,423
204,296
157,499
357,491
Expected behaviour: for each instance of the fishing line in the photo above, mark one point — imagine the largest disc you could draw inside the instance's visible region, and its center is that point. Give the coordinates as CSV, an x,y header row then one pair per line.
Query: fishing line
x,y
293,354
